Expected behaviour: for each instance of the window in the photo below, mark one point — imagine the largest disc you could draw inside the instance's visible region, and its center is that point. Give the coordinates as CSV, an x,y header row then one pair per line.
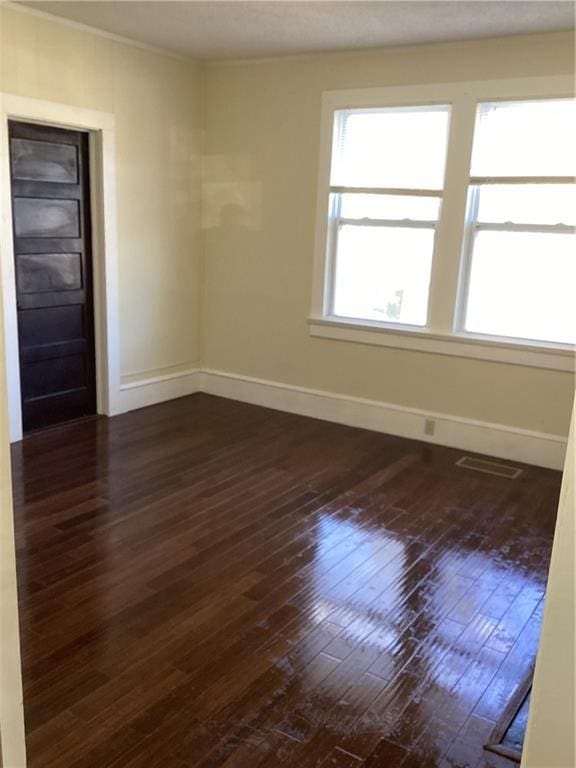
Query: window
x,y
521,217
386,183
447,218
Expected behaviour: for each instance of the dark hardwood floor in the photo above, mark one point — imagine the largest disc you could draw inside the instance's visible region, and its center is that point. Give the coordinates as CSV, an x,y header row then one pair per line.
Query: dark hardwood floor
x,y
205,583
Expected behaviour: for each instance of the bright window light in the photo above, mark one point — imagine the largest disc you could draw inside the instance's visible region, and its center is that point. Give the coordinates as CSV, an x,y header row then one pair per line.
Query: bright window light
x,y
525,138
528,204
520,254
398,147
523,285
383,273
386,187
389,207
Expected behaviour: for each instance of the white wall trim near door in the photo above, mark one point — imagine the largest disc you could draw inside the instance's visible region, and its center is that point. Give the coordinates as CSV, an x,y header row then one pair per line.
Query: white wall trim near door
x,y
101,127
141,390
497,440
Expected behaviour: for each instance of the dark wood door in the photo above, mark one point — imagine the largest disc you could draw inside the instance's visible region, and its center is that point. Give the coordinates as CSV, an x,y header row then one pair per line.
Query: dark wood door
x,y
52,247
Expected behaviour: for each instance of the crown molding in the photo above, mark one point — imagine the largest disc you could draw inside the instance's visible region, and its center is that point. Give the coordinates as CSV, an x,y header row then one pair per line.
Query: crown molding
x,y
13,6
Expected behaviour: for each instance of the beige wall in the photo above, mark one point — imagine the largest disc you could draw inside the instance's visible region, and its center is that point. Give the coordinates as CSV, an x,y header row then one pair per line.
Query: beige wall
x,y
261,161
156,101
551,735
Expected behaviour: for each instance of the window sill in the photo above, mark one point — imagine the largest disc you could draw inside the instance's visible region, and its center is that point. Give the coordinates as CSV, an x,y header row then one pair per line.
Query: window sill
x,y
556,357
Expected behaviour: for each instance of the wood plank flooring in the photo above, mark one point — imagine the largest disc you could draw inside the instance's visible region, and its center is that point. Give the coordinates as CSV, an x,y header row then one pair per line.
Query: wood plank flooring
x,y
210,584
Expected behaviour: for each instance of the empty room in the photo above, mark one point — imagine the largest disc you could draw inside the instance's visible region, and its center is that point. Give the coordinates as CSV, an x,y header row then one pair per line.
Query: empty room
x,y
287,377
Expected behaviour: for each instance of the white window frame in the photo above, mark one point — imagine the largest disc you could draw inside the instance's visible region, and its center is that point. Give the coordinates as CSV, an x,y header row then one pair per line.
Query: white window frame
x,y
444,333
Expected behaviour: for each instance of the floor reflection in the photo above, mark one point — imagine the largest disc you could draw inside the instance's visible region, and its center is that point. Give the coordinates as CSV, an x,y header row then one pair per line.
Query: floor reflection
x,y
206,583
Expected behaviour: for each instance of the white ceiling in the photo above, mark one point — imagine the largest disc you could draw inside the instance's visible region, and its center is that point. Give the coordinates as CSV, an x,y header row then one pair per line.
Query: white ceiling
x,y
243,28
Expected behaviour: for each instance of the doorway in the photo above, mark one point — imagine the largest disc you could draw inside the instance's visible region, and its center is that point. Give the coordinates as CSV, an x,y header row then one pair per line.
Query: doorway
x,y
50,187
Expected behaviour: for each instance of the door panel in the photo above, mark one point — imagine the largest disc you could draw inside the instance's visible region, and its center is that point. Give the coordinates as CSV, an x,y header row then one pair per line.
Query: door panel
x,y
50,325
50,202
48,377
46,218
41,161
39,273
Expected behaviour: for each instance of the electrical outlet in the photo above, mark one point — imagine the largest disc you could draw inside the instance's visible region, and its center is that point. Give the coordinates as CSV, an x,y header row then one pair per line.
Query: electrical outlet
x,y
429,427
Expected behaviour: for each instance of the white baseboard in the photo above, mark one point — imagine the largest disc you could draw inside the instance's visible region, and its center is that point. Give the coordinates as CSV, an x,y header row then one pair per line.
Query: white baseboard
x,y
504,442
138,393
497,440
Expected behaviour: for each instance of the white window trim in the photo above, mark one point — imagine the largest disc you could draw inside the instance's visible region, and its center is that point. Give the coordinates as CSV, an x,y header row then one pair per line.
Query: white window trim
x,y
441,336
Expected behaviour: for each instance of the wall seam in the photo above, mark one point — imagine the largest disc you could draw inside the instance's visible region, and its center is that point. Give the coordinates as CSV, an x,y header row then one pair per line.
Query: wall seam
x,y
202,238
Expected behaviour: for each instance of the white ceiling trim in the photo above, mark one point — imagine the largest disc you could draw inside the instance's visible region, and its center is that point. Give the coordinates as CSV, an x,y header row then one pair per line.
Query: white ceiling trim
x,y
62,21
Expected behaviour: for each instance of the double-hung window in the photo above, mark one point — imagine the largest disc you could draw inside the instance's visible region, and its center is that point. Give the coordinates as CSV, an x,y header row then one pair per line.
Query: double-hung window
x,y
446,220
520,258
386,186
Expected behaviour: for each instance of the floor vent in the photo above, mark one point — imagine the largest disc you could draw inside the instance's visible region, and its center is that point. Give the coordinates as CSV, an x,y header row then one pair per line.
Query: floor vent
x,y
490,467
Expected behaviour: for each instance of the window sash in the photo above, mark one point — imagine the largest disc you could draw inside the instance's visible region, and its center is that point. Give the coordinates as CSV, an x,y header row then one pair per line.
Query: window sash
x,y
407,191
336,222
340,119
473,226
566,229
476,181
392,223
335,226
525,337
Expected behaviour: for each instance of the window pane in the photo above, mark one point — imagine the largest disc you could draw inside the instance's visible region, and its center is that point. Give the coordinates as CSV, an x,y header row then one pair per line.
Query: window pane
x,y
383,273
389,207
530,204
400,147
525,138
522,285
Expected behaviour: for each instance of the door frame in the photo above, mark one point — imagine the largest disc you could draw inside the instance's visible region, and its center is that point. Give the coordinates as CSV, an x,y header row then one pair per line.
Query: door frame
x,y
102,161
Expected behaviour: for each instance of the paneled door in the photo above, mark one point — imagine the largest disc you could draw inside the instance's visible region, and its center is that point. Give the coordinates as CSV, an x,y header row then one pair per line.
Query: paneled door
x,y
52,248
